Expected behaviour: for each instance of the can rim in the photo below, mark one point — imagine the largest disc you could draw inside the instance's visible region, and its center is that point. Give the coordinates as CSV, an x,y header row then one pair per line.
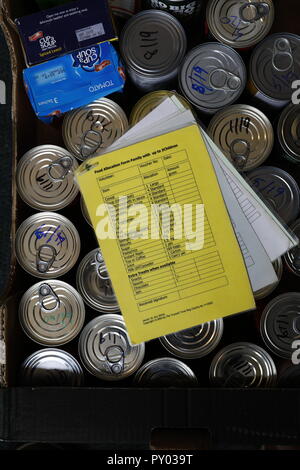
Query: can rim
x,y
282,123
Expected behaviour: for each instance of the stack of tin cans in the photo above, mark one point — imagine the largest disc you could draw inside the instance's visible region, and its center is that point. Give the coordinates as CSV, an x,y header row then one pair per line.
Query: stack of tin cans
x,y
238,81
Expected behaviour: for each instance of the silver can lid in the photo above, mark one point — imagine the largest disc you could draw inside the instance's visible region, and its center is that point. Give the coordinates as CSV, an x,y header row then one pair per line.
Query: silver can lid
x,y
263,293
212,76
92,128
275,65
153,43
51,367
279,189
52,313
47,245
243,365
85,212
280,324
244,134
105,349
240,24
165,372
288,132
94,284
194,342
292,257
45,178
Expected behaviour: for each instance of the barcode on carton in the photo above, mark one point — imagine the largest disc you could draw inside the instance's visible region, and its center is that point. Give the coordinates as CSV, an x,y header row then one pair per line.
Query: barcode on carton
x,y
90,32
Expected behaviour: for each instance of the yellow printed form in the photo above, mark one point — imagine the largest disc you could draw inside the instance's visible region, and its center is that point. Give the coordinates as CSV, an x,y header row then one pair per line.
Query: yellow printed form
x,y
162,285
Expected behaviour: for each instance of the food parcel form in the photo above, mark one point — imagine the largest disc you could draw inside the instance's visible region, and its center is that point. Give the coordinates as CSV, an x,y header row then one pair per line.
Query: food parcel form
x,y
164,230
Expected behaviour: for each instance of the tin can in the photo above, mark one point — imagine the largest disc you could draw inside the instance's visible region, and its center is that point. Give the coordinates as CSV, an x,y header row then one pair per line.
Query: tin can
x,y
292,257
51,313
243,365
124,8
186,11
45,178
266,291
51,367
279,189
196,342
244,134
85,212
92,128
288,132
153,44
165,372
105,349
150,101
280,324
212,76
274,66
289,377
47,245
240,24
94,284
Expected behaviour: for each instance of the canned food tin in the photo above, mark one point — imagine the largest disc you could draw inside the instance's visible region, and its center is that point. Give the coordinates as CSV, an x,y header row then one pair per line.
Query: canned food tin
x,y
186,11
240,23
94,284
51,313
85,212
150,101
194,342
45,179
153,44
274,65
280,324
47,245
244,134
165,372
212,76
124,8
243,365
105,349
292,257
279,189
89,130
51,367
288,132
262,293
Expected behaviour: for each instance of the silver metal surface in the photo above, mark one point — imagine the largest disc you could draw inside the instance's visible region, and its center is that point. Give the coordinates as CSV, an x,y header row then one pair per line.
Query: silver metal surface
x,y
51,313
105,349
292,257
244,134
92,128
47,245
85,212
165,372
51,367
263,293
242,365
288,131
187,11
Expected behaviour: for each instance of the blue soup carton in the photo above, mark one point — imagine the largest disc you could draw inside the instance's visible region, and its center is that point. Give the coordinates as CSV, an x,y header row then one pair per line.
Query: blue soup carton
x,y
74,80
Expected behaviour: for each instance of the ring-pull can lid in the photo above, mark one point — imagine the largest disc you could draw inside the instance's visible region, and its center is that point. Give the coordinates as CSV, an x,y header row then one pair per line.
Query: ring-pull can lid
x,y
47,245
90,129
292,257
244,134
51,368
94,284
165,372
52,313
240,23
105,349
242,365
194,342
45,178
275,65
288,132
263,293
85,212
280,324
279,189
153,43
212,76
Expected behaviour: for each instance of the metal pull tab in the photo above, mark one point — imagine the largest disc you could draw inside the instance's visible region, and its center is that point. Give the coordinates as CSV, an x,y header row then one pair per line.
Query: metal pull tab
x,y
221,79
90,142
115,356
254,11
63,167
239,152
46,291
43,265
282,58
101,267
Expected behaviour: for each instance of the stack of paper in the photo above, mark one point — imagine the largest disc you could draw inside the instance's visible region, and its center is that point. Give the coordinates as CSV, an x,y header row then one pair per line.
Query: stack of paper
x,y
167,281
